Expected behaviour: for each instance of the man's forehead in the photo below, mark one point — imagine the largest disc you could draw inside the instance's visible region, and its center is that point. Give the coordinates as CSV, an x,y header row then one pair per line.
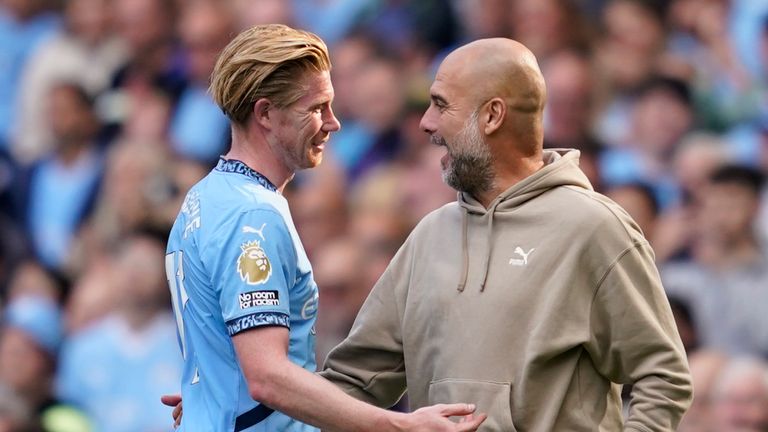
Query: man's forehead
x,y
317,85
447,83
317,79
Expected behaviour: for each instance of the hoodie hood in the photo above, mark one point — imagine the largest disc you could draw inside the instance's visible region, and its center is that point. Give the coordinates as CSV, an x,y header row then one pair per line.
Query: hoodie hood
x,y
561,168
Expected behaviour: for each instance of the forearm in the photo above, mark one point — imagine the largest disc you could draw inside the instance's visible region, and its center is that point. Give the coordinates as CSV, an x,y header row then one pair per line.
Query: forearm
x,y
313,400
367,371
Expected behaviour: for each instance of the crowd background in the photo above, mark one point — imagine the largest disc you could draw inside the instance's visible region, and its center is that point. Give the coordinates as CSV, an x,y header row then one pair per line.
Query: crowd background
x,y
105,123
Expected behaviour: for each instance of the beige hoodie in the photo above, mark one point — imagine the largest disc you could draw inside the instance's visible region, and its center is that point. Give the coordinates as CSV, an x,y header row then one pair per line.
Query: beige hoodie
x,y
534,309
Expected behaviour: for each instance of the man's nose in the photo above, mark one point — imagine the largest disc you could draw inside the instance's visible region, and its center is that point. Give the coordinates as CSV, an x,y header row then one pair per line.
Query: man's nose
x,y
332,124
427,123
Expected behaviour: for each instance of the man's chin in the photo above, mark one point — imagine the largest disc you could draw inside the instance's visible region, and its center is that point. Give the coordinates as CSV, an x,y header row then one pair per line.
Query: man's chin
x,y
450,180
313,161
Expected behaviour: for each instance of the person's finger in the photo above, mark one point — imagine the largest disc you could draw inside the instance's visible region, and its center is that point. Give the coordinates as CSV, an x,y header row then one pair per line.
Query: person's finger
x,y
170,399
471,424
177,412
461,409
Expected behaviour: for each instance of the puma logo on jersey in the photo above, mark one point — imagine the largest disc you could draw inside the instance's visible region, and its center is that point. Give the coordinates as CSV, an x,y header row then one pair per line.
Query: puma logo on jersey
x,y
523,260
249,229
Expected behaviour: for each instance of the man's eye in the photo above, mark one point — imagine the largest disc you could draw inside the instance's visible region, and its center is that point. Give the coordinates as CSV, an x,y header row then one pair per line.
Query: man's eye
x,y
439,104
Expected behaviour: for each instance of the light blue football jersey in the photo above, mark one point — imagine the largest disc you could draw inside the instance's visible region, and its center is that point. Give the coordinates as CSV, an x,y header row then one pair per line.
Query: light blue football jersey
x,y
235,262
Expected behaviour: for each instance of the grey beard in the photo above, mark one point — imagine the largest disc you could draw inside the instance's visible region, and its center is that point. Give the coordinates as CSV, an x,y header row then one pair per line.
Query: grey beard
x,y
472,174
470,169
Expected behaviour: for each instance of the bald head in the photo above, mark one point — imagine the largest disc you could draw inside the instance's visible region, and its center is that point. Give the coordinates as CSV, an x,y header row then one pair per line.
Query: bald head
x,y
499,67
501,77
487,104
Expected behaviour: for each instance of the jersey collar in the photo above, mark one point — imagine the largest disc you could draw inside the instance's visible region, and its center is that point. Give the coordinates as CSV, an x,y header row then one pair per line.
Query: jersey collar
x,y
238,167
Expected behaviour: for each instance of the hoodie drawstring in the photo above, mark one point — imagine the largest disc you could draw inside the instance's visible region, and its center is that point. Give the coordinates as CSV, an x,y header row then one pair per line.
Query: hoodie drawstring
x,y
464,251
489,232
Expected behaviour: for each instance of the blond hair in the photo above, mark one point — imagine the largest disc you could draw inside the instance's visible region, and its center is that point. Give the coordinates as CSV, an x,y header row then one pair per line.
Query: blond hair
x,y
265,61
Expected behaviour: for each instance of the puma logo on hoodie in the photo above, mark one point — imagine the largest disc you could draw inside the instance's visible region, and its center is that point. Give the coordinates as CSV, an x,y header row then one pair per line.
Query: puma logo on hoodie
x,y
521,262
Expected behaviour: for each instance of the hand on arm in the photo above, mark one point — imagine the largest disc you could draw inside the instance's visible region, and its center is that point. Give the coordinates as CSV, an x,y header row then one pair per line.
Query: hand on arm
x,y
173,400
280,384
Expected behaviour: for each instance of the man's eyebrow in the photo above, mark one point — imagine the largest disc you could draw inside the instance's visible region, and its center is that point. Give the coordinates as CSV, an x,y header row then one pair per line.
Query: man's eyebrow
x,y
438,99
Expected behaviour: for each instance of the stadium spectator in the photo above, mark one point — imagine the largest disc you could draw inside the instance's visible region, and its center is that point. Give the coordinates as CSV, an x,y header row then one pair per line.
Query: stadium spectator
x,y
338,268
93,295
660,117
319,207
724,280
61,188
198,129
85,52
28,347
570,107
706,367
638,200
29,343
378,104
138,190
126,360
741,396
548,26
24,26
694,160
410,186
626,55
352,54
153,68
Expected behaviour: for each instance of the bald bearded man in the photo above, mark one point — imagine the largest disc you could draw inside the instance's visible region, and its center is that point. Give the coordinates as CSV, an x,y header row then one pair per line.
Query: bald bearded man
x,y
532,296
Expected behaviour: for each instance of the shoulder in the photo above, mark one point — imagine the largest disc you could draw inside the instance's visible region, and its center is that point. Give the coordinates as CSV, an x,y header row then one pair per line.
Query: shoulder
x,y
221,198
591,212
437,219
599,228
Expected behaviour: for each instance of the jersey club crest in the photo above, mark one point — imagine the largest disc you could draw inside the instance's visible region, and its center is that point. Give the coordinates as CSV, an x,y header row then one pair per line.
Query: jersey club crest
x,y
252,264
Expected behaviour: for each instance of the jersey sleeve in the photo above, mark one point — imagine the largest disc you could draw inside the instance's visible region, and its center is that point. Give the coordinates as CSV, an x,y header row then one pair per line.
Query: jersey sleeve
x,y
254,267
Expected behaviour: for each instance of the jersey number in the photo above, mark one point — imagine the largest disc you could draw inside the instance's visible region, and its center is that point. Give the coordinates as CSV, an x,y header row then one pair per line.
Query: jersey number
x,y
174,271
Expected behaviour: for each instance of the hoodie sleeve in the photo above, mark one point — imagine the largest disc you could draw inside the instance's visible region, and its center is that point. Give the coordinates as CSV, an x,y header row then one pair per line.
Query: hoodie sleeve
x,y
368,364
634,340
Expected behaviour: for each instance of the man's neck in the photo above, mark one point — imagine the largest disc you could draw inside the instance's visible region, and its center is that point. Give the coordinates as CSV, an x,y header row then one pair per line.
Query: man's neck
x,y
253,150
510,175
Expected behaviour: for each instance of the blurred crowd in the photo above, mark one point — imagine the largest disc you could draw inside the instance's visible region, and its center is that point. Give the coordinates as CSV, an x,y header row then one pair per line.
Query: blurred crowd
x,y
105,122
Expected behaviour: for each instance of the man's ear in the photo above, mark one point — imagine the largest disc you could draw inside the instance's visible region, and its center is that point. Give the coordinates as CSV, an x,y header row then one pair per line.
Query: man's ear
x,y
261,114
495,112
